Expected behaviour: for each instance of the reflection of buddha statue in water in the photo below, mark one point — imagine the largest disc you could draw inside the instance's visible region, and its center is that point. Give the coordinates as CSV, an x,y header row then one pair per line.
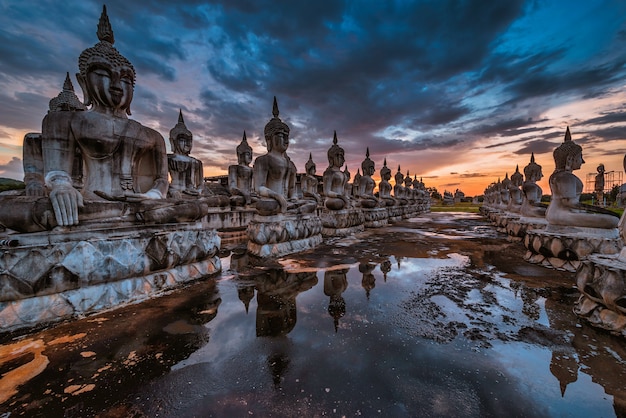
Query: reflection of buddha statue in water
x,y
531,205
309,182
240,175
565,207
369,280
384,187
335,283
367,183
125,163
186,172
275,174
334,180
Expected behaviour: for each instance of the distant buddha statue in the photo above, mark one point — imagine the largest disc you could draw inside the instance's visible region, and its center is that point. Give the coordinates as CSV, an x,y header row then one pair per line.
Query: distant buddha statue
x,y
398,190
599,184
125,163
185,171
565,207
367,183
505,195
240,175
348,186
384,187
515,191
309,182
408,182
355,183
334,180
274,173
532,193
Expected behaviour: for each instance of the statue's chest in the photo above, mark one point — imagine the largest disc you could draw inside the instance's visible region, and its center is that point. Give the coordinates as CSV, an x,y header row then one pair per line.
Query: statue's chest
x,y
101,138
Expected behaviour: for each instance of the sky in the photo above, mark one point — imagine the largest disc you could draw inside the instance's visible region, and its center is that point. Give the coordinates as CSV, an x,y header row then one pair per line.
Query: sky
x,y
458,93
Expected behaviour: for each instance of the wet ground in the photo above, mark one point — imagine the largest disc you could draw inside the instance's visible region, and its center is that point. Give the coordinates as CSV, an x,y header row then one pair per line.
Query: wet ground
x,y
436,316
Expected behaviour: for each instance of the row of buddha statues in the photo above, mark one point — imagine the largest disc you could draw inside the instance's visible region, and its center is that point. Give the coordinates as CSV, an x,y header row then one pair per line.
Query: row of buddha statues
x,y
566,234
91,163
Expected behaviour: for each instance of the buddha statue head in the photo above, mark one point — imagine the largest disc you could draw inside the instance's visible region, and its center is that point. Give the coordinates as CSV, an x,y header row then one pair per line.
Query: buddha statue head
x,y
568,156
367,165
276,132
385,172
106,76
533,170
244,151
336,155
181,138
310,166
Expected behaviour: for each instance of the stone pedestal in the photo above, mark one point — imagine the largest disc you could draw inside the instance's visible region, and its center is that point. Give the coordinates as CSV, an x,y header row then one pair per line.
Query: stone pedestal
x,y
516,228
55,275
341,223
601,280
278,235
563,248
394,213
375,218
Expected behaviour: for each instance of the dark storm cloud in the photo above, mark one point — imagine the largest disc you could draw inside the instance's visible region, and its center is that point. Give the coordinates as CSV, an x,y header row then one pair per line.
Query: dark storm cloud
x,y
606,118
538,146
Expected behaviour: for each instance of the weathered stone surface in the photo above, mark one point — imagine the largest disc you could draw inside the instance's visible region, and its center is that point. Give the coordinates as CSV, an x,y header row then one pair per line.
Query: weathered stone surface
x,y
274,236
342,222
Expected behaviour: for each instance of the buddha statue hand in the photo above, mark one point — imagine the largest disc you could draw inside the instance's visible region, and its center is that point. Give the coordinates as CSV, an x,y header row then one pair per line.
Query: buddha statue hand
x,y
131,196
64,197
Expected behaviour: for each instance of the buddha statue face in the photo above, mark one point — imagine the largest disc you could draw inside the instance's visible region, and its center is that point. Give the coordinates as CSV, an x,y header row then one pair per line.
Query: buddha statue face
x,y
385,174
183,144
278,141
244,157
574,161
110,86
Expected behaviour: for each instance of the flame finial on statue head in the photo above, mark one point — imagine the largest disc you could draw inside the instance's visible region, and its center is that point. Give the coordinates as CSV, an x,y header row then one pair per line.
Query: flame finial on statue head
x,y
105,31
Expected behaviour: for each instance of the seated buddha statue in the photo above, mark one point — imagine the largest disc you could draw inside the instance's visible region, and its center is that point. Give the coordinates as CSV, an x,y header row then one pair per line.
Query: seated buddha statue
x,y
399,191
125,163
505,195
348,187
334,180
274,174
384,187
515,191
185,171
531,204
367,183
408,191
565,207
240,175
355,184
309,182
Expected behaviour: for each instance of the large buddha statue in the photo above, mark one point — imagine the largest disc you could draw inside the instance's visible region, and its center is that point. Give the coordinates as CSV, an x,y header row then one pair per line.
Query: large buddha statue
x,y
531,205
309,182
240,175
125,163
274,173
186,172
384,187
367,183
565,208
334,180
